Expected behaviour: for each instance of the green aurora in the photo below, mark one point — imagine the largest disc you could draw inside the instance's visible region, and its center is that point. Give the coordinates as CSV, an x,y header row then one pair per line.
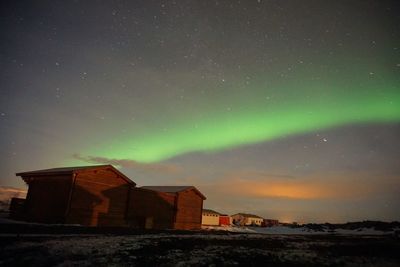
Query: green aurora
x,y
269,114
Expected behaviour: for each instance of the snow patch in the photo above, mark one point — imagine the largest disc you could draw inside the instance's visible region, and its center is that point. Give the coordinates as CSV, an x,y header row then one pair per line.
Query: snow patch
x,y
285,230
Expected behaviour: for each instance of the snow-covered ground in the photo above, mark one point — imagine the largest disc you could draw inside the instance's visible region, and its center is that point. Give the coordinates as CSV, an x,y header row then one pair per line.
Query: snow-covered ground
x,y
285,230
274,230
199,249
214,246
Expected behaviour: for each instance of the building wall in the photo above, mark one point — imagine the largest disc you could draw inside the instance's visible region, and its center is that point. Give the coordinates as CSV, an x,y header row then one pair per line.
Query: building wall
x,y
150,209
17,208
99,198
247,220
254,221
158,210
47,198
189,210
210,219
237,219
270,222
225,220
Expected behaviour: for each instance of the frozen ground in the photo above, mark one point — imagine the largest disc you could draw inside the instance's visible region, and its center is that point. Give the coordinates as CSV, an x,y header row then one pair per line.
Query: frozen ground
x,y
302,230
198,249
27,244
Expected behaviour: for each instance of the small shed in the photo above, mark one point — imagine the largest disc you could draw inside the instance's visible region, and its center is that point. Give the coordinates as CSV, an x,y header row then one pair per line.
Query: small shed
x,y
86,195
174,207
210,217
225,220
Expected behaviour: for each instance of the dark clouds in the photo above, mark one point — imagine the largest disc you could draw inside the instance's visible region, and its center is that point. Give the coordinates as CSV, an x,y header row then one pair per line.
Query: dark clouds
x,y
130,164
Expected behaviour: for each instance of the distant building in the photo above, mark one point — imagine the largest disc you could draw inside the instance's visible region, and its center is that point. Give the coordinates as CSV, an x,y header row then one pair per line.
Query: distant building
x,y
225,220
210,217
103,196
247,219
270,222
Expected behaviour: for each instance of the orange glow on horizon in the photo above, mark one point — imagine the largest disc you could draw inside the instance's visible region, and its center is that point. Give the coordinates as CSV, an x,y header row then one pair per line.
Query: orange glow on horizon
x,y
306,188
288,191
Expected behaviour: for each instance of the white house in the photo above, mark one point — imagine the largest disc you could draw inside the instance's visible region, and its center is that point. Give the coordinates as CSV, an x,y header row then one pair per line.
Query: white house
x,y
247,219
210,217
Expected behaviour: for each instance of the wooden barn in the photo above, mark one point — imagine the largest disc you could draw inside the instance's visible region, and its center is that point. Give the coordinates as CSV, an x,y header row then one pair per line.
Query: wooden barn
x,y
103,196
90,195
162,207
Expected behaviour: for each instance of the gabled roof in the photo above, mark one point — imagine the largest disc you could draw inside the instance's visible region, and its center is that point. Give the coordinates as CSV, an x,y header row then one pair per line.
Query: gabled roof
x,y
174,189
71,170
167,189
62,170
247,215
211,211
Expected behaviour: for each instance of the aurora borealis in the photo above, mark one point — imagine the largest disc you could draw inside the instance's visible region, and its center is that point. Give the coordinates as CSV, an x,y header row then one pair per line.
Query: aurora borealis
x,y
256,122
286,109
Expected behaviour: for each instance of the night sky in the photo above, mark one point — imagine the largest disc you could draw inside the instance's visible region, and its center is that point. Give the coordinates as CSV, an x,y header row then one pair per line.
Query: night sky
x,y
286,109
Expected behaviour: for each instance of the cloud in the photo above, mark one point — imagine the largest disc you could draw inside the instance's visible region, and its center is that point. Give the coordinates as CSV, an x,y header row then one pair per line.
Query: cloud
x,y
6,193
339,186
128,163
318,197
261,175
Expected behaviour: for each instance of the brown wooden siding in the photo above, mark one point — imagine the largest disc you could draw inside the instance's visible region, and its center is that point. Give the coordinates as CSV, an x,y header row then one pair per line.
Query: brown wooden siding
x,y
99,198
47,198
102,196
189,209
150,209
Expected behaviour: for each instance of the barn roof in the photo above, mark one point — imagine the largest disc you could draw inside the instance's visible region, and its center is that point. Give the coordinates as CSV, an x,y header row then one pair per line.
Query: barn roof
x,y
248,215
174,189
71,170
